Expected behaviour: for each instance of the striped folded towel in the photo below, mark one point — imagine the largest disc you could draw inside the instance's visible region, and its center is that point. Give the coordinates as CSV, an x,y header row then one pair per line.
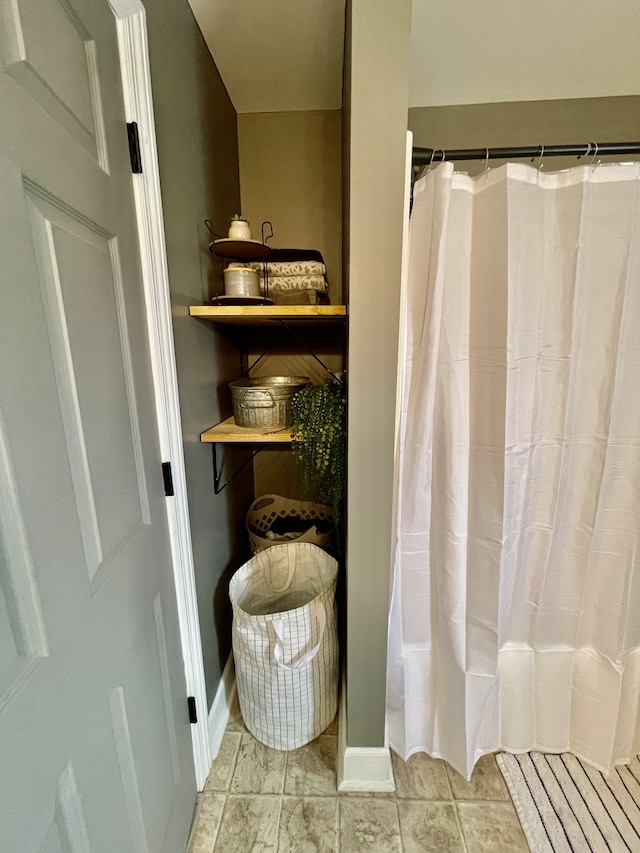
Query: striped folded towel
x,y
287,268
296,282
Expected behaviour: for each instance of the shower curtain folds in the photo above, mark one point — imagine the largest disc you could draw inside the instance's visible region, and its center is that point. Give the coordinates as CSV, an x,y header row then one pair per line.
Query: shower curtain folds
x,y
515,612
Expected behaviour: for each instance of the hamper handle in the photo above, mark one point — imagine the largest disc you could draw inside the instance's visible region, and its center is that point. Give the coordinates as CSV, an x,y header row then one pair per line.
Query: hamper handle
x,y
257,400
307,657
291,570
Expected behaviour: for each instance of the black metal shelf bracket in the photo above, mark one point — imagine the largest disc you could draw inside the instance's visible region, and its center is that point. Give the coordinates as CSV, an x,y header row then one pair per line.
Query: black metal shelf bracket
x,y
246,370
311,353
218,485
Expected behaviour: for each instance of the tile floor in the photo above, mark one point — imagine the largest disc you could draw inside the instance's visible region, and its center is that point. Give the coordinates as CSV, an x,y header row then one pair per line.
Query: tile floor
x,y
258,800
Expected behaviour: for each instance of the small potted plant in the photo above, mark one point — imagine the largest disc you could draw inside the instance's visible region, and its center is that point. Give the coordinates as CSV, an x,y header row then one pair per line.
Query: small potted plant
x,y
319,442
239,228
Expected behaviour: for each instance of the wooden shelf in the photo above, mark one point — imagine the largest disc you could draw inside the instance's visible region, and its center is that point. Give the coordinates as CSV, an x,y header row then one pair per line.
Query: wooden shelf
x,y
260,315
229,433
242,250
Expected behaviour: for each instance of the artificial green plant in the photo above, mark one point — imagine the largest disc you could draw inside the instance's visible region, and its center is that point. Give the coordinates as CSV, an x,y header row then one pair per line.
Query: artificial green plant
x,y
319,441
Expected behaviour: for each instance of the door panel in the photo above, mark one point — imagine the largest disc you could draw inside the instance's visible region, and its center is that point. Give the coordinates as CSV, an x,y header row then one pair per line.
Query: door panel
x,y
94,731
80,276
68,830
22,635
142,719
69,90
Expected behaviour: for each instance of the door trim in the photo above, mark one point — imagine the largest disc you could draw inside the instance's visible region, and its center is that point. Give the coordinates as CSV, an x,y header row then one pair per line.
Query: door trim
x,y
220,711
138,102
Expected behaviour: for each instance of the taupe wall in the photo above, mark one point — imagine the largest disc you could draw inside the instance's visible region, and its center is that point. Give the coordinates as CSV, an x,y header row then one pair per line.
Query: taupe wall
x,y
290,174
275,470
198,153
526,123
376,98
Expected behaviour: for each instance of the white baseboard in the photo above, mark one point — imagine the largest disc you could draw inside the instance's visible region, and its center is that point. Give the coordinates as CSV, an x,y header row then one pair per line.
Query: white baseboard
x,y
361,768
366,769
221,707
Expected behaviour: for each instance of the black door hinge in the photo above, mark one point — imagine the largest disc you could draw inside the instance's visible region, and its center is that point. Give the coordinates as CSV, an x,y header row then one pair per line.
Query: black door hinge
x,y
134,147
191,702
167,476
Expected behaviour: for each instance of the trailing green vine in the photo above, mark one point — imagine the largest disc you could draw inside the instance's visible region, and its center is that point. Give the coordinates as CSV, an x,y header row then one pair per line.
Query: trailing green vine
x,y
319,441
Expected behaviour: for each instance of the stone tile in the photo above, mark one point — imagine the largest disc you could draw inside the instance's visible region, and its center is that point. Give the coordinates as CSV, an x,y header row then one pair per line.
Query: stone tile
x,y
429,827
491,828
249,824
308,825
487,782
311,770
205,828
259,769
369,825
332,728
420,778
222,767
236,723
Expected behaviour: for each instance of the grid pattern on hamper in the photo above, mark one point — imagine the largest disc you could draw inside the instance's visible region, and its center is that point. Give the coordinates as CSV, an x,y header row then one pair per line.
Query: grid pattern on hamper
x,y
286,708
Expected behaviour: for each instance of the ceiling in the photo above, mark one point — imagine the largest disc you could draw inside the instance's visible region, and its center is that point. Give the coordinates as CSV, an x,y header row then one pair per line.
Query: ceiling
x,y
276,55
287,55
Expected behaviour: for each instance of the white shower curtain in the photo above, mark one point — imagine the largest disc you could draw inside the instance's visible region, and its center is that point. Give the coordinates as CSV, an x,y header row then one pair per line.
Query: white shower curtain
x,y
515,613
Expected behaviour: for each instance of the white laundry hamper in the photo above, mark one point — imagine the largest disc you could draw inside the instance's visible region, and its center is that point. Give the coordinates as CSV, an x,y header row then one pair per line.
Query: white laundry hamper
x,y
285,643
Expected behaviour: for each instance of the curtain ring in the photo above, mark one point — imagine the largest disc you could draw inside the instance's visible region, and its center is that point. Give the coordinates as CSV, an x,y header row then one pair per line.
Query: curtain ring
x,y
433,154
540,166
486,168
587,152
595,153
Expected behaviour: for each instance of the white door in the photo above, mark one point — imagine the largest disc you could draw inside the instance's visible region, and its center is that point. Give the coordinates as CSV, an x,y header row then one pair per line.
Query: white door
x,y
95,748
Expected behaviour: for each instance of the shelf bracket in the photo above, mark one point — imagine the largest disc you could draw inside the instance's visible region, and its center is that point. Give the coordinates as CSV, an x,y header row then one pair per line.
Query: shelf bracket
x,y
218,485
244,370
311,353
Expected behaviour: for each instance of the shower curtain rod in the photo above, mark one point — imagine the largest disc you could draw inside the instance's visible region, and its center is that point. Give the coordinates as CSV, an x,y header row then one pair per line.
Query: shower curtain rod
x,y
426,156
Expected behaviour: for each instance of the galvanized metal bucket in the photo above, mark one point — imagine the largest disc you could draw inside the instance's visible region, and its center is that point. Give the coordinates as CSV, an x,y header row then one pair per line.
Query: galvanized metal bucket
x,y
265,402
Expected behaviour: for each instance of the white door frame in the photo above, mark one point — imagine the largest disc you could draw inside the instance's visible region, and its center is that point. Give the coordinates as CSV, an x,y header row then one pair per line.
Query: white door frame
x,y
138,103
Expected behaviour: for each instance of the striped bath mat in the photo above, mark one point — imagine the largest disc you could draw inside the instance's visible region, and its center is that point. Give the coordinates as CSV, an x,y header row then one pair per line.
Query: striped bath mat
x,y
565,806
